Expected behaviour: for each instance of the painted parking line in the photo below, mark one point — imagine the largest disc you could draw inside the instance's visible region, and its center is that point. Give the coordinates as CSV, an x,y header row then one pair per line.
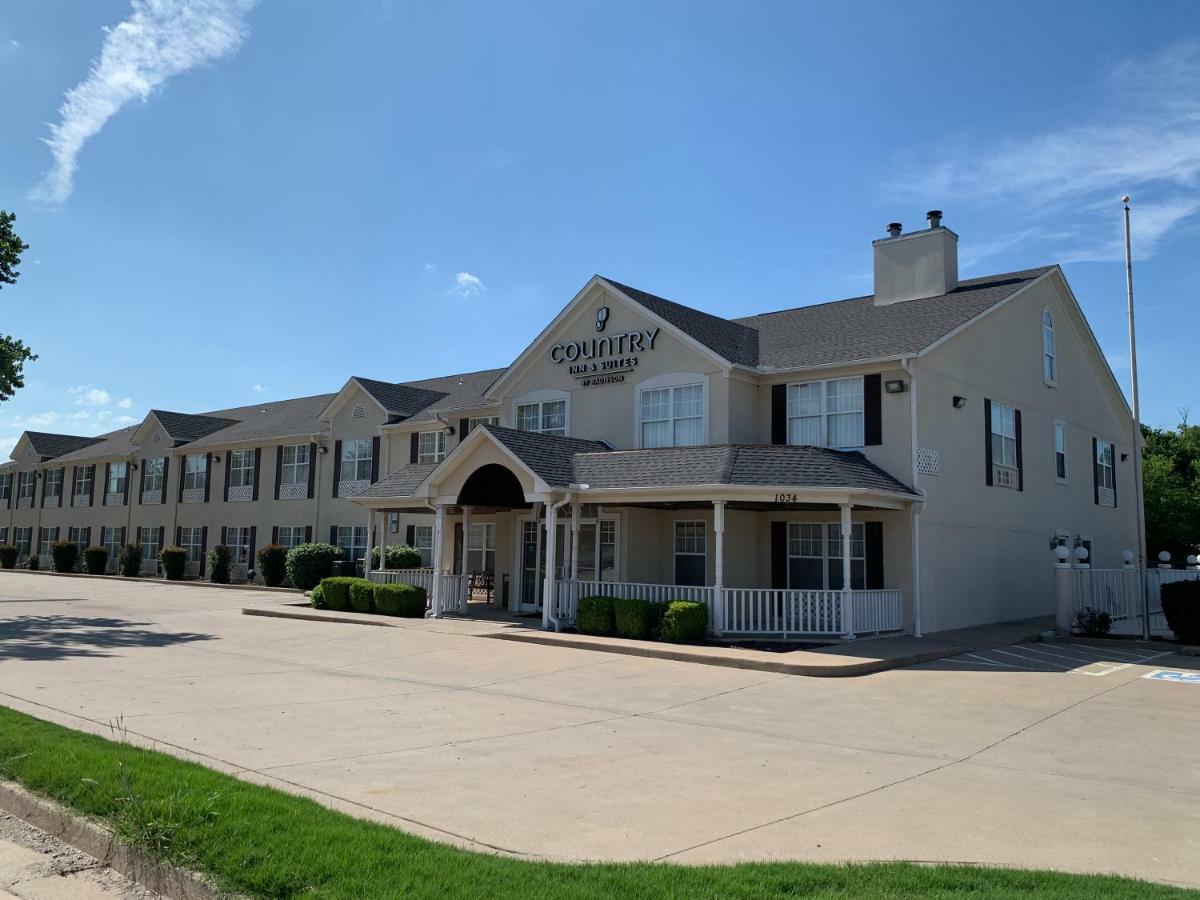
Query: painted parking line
x,y
1072,659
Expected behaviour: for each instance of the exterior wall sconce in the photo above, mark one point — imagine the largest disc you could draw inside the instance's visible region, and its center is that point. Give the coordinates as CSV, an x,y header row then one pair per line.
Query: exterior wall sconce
x,y
959,402
1124,456
216,459
322,449
894,387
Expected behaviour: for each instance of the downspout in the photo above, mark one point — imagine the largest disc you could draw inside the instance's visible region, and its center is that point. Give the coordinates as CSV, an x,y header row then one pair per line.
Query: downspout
x,y
917,508
552,602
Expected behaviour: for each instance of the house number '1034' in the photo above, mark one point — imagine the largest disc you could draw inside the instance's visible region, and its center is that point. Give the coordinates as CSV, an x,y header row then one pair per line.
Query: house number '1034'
x,y
787,498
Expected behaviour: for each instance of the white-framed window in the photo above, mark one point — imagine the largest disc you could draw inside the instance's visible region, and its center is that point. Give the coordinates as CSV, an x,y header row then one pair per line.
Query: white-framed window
x,y
353,541
1004,446
1049,360
423,542
79,536
826,413
3,534
1106,473
481,547
237,539
290,535
23,540
46,537
691,552
543,416
112,540
1060,452
150,544
241,468
481,420
431,446
152,474
117,473
815,556
6,486
672,416
195,471
26,485
356,460
52,485
191,539
83,480
295,464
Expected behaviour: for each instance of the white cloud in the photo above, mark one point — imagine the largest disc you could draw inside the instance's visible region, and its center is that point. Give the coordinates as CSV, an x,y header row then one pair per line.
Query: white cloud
x,y
160,39
1142,138
80,415
467,285
124,420
258,389
7,444
126,403
90,395
429,267
37,420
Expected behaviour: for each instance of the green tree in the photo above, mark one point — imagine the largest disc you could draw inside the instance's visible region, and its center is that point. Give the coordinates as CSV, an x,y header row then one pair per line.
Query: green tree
x,y
1171,487
13,353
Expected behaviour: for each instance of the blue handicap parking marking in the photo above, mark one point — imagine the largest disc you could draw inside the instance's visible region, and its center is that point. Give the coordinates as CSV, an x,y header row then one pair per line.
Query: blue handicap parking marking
x,y
1170,675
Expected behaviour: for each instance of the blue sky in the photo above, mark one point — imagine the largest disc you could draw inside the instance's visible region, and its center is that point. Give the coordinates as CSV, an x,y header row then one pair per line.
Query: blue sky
x,y
255,201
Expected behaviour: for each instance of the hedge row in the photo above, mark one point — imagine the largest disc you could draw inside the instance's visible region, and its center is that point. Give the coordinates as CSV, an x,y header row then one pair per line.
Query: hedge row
x,y
360,595
676,621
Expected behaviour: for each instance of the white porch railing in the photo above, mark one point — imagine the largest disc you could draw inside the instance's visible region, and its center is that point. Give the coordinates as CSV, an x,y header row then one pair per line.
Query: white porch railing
x,y
1119,593
452,588
754,611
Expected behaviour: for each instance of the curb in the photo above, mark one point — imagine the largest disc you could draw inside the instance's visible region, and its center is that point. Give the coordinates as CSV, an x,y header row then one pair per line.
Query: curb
x,y
96,840
268,613
147,579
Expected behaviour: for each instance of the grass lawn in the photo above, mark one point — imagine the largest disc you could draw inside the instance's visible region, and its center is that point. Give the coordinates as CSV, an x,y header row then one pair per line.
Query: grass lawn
x,y
266,843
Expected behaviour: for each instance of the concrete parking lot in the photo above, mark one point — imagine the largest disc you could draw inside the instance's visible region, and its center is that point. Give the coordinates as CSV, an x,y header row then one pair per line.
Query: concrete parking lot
x,y
1071,760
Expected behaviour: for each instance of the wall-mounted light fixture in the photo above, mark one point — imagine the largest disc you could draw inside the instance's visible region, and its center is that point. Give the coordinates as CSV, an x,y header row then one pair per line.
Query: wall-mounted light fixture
x,y
895,386
959,402
132,466
216,459
322,449
1124,456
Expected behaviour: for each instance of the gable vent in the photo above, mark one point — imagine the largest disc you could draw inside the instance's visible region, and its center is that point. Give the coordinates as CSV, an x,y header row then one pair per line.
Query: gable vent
x,y
359,411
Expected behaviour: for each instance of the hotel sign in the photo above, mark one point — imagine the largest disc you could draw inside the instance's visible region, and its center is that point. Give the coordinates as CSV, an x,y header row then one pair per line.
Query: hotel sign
x,y
597,360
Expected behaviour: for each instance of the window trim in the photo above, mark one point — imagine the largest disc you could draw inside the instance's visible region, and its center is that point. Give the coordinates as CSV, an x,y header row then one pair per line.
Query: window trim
x,y
352,546
295,465
1099,467
826,558
675,552
199,475
439,450
356,460
825,413
1066,475
419,546
671,381
1015,467
1050,380
159,463
241,474
541,398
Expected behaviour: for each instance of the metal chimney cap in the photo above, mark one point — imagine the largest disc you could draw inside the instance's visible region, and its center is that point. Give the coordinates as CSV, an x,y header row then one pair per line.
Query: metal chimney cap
x,y
894,229
935,218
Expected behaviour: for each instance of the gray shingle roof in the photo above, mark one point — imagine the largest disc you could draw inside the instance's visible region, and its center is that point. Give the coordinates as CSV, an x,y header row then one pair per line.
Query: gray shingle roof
x,y
850,330
184,427
264,421
114,443
399,398
550,456
731,340
50,446
733,464
460,392
401,483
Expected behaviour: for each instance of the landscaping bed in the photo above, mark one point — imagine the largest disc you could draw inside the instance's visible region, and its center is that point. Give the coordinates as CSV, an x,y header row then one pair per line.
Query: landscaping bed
x,y
261,842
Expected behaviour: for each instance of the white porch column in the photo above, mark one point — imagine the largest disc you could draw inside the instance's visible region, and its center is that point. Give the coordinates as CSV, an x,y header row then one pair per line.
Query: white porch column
x,y
847,594
383,528
576,511
466,511
550,562
370,543
718,623
439,528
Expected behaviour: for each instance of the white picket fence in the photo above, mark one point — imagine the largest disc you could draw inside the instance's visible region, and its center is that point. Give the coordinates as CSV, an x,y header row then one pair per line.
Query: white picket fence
x,y
453,588
754,611
1119,592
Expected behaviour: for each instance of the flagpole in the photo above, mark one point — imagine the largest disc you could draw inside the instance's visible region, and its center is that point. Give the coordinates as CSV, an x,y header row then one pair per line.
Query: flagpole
x,y
1137,428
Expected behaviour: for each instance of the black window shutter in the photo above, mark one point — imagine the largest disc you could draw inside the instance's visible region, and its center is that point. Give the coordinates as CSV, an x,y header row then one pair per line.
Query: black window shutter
x,y
224,534
414,447
410,535
207,475
71,501
92,495
128,476
337,465
333,535
308,534
274,534
228,467
312,470
779,425
1095,475
464,426
873,533
779,555
141,483
872,410
139,536
178,535
279,471
87,536
182,469
108,467
203,549
987,438
162,536
257,471
1020,457
374,459
250,562
1114,487
162,497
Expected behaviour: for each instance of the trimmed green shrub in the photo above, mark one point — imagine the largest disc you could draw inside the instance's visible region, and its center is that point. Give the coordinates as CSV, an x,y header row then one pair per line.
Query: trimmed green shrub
x,y
95,559
308,564
399,556
337,591
219,558
684,622
637,619
595,616
362,595
1093,622
317,597
65,555
405,600
33,563
173,561
1181,606
272,564
129,560
8,556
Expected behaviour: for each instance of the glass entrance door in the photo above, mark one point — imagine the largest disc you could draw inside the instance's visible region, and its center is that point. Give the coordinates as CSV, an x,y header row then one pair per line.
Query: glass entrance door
x,y
597,555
